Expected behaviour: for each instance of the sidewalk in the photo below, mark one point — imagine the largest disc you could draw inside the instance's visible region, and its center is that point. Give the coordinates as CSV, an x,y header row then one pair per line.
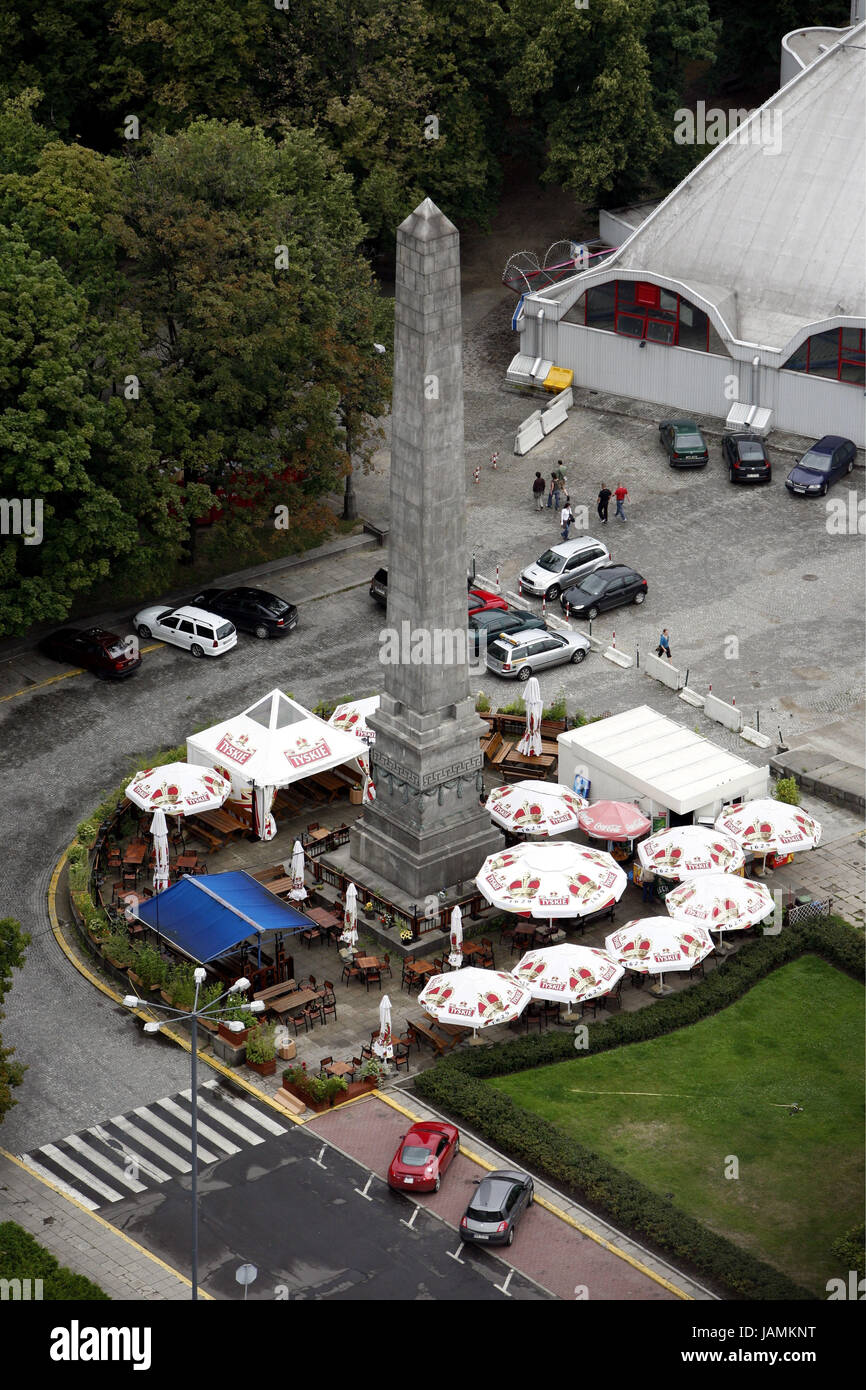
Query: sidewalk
x,y
85,1242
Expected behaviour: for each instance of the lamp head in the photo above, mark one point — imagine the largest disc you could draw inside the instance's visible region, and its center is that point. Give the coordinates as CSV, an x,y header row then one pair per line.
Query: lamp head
x,y
131,1001
239,986
152,1027
199,975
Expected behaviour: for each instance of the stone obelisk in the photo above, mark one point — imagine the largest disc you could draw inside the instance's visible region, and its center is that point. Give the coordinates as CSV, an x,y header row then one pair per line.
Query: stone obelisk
x,y
426,829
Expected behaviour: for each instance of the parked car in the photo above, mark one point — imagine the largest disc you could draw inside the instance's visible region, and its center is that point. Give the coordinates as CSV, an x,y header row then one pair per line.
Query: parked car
x,y
104,653
202,633
251,610
823,464
607,587
747,458
518,655
684,444
497,1206
422,1156
479,599
562,565
492,621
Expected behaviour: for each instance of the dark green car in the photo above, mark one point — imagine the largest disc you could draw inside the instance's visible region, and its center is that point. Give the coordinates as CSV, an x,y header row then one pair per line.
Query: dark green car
x,y
684,444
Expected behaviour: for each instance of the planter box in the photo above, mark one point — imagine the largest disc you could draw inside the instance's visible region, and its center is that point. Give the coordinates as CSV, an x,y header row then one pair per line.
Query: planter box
x,y
115,963
263,1068
319,1106
237,1038
355,1089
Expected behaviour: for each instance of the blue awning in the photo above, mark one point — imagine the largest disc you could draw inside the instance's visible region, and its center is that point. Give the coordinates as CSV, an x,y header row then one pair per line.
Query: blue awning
x,y
208,915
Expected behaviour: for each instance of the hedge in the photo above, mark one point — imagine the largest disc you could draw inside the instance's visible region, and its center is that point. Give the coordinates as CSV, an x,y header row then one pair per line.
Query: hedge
x,y
22,1257
455,1085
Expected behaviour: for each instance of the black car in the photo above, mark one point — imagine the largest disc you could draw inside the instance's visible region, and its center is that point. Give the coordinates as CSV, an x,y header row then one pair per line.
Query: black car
x,y
492,621
379,587
496,1207
747,458
107,655
607,587
251,610
684,444
831,458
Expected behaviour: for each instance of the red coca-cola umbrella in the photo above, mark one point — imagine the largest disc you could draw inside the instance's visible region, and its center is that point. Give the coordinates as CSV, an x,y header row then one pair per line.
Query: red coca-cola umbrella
x,y
613,820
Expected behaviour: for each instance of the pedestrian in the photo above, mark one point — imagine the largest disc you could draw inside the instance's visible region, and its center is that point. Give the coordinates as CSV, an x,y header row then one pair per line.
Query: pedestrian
x,y
538,492
563,481
621,494
553,496
664,646
647,880
566,517
603,501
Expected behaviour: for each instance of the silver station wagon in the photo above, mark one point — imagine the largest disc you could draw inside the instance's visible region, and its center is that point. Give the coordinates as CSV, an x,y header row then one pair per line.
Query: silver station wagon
x,y
517,655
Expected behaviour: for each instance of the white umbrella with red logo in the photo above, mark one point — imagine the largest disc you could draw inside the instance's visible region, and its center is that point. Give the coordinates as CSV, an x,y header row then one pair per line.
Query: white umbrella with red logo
x,y
654,945
159,831
179,789
298,891
690,849
568,974
613,820
720,903
383,1046
770,827
535,808
530,744
474,998
352,719
551,879
456,957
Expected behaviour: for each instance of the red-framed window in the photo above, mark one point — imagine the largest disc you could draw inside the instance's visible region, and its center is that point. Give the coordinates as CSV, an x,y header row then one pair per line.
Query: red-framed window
x,y
637,309
837,354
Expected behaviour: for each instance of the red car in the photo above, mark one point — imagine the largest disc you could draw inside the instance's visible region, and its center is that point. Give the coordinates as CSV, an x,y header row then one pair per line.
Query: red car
x,y
481,599
104,653
422,1157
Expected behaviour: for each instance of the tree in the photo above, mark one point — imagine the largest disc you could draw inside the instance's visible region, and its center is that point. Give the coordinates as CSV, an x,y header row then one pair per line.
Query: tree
x,y
13,945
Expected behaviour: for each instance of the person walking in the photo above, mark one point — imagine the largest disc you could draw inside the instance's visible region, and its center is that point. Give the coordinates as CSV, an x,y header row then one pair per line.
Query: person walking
x,y
603,502
566,517
664,646
561,478
538,491
553,496
621,493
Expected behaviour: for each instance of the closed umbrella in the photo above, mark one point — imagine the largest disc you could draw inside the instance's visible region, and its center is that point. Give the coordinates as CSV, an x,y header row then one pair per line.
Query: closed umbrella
x,y
474,998
654,945
159,831
770,827
720,902
456,956
264,824
551,879
690,849
298,892
535,808
530,744
383,1046
613,820
568,973
349,933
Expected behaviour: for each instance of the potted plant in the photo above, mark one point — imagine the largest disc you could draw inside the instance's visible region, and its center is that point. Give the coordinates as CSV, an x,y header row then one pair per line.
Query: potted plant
x,y
314,1091
181,987
372,1072
150,968
118,949
261,1049
236,1013
208,996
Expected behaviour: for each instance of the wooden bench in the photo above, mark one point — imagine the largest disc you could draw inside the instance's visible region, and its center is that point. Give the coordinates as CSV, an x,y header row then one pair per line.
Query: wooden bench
x,y
422,1031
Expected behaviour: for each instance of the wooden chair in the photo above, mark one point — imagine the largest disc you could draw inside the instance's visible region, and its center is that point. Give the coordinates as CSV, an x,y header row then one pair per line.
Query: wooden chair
x,y
410,1039
310,935
313,1012
351,972
329,1002
324,1062
385,965
373,972
486,958
401,1057
410,979
298,1021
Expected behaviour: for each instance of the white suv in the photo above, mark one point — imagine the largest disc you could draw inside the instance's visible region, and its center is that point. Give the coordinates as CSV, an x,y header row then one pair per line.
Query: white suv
x,y
203,634
562,566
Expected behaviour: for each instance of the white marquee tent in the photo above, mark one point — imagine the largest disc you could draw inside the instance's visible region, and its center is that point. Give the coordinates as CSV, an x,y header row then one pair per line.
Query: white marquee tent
x,y
271,744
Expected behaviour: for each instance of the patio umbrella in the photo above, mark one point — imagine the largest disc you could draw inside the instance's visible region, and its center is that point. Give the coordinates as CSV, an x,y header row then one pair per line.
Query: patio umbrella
x,y
298,892
262,800
530,744
720,902
352,718
568,973
456,956
690,849
535,808
159,831
552,879
654,945
473,998
179,789
349,933
770,827
613,820
383,1047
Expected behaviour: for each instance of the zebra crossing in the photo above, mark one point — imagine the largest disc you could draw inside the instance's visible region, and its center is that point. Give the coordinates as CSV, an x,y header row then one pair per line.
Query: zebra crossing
x,y
151,1144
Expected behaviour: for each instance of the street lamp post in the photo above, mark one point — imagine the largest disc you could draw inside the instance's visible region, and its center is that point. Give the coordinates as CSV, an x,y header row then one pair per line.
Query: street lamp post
x,y
212,1011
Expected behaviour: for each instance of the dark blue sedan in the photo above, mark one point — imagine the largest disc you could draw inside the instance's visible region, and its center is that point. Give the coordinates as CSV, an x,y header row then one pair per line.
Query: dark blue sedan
x,y
826,461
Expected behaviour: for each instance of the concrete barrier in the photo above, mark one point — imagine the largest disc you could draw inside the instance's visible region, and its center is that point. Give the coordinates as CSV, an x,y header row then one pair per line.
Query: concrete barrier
x,y
529,433
723,713
663,670
691,697
753,736
555,416
618,657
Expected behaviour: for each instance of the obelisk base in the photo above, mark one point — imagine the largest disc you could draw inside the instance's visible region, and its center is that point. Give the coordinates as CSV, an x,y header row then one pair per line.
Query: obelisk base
x,y
425,864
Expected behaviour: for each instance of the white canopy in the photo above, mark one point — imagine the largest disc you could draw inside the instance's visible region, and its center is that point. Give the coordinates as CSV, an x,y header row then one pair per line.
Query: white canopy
x,y
273,743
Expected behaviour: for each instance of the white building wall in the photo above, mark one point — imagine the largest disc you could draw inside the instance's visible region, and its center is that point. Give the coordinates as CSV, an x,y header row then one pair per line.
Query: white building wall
x,y
812,405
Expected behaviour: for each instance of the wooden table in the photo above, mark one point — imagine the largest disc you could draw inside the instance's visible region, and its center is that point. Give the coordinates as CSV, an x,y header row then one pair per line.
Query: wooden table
x,y
185,862
455,1030
422,968
438,1044
323,918
133,856
331,785
340,1069
298,999
471,948
279,885
321,833
223,821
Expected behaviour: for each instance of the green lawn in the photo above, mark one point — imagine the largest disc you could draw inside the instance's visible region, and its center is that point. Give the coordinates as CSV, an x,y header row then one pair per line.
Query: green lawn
x,y
672,1111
